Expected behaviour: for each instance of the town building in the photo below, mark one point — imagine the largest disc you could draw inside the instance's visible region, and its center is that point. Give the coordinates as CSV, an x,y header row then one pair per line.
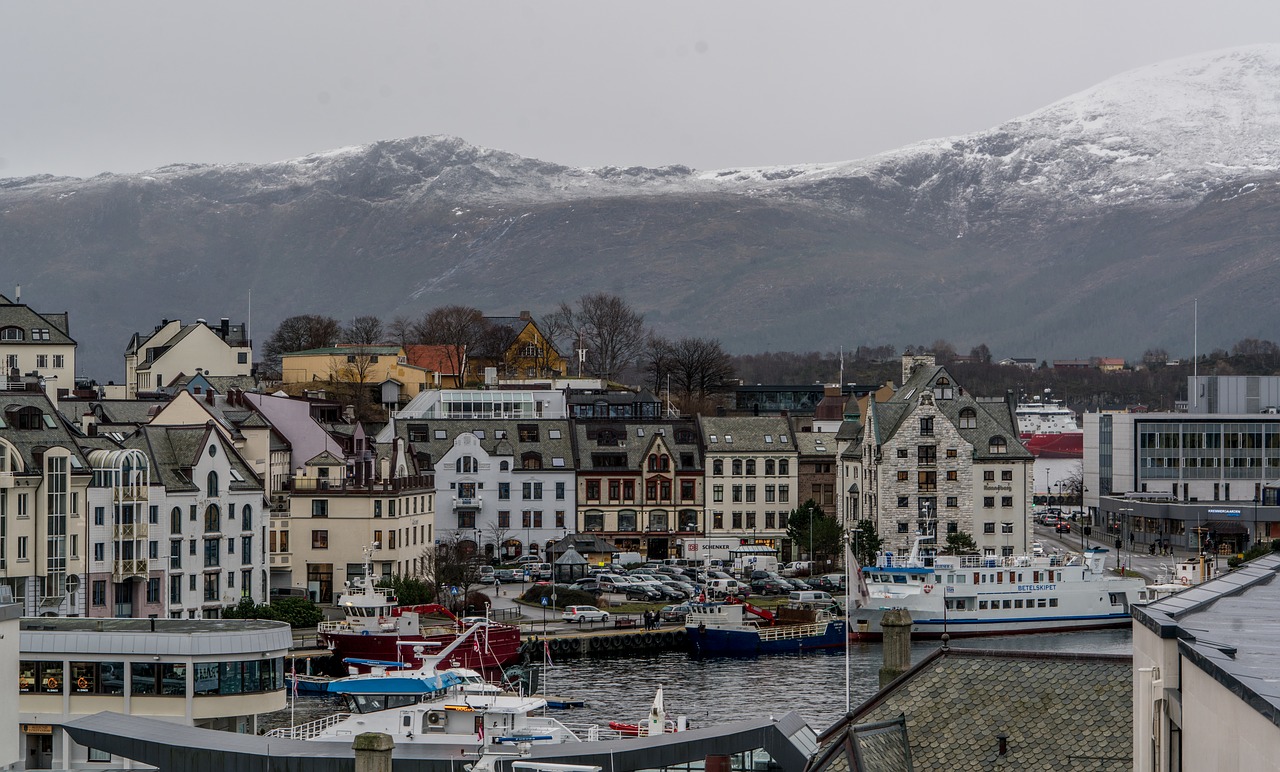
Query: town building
x,y
44,484
1190,480
381,373
516,348
209,674
1233,394
153,361
933,460
338,511
640,483
11,752
35,344
752,479
1204,665
506,488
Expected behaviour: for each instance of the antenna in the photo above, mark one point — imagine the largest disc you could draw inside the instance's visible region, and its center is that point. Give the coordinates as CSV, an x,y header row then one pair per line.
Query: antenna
x,y
1195,348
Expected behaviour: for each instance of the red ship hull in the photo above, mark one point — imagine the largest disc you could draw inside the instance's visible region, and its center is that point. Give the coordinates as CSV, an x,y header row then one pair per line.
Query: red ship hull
x,y
1065,445
492,648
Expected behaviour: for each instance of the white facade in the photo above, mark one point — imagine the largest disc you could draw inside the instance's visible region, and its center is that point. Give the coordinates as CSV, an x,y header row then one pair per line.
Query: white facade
x,y
173,349
34,343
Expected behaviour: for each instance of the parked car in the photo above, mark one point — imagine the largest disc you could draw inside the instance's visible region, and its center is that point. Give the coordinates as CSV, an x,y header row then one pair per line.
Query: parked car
x,y
684,589
675,613
768,586
586,585
486,574
524,560
469,621
508,575
798,568
643,592
584,614
614,582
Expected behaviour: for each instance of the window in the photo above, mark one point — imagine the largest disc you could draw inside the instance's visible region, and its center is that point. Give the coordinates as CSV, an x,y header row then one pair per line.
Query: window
x,y
559,518
988,527
998,446
559,491
212,553
22,548
902,475
902,452
953,501
927,480
926,426
59,361
1006,501
99,592
953,527
628,490
951,453
99,515
717,467
737,521
465,520
246,550
988,501
771,494
99,552
320,507
246,518
12,333
687,490
212,518
737,467
717,520
737,494
504,491
615,490
751,467
769,467
175,589
717,493
153,590
531,461
211,485
42,361
593,490
784,493
1006,528
319,540
593,520
1006,474
904,501
989,475
968,418
751,494
465,465
902,526
784,467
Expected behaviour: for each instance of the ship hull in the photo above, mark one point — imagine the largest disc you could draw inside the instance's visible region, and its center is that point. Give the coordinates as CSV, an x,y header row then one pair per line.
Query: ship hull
x,y
711,641
495,648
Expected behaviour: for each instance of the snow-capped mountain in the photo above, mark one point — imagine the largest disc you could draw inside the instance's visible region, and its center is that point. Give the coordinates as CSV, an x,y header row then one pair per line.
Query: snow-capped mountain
x,y
1149,188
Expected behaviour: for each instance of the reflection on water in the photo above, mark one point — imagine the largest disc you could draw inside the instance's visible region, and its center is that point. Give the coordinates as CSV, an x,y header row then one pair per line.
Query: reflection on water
x,y
717,690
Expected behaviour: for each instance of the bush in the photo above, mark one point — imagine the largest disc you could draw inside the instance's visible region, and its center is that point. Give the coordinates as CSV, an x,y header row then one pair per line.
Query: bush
x,y
297,612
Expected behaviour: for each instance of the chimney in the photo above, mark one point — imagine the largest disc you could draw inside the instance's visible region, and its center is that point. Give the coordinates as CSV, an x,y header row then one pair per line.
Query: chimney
x,y
88,423
895,628
525,316
17,294
226,328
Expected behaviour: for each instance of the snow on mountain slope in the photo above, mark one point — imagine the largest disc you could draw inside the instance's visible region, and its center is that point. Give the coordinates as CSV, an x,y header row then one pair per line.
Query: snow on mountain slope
x,y
1160,134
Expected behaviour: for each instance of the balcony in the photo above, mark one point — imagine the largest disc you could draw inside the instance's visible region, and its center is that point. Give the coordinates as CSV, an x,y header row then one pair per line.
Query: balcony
x,y
468,503
351,487
129,531
6,480
134,493
125,569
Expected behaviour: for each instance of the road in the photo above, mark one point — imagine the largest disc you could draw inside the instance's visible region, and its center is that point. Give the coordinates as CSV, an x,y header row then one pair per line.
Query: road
x,y
1150,567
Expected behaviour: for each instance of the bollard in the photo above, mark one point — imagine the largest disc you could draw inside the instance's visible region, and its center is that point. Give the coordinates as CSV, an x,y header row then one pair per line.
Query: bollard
x,y
895,628
373,752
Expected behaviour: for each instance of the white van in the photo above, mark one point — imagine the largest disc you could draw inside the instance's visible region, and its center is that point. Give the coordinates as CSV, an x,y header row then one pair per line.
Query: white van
x,y
627,559
720,588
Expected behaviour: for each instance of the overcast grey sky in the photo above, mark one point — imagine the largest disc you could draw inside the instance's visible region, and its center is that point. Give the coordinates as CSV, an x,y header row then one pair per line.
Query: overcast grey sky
x,y
99,86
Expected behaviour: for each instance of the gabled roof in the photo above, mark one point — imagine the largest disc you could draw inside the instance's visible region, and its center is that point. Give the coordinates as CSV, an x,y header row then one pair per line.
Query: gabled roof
x,y
509,444
32,443
991,418
1050,706
636,437
325,459
748,434
174,450
21,315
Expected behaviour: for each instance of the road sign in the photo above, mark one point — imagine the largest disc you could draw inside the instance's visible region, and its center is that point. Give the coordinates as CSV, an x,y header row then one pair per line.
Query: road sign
x,y
545,602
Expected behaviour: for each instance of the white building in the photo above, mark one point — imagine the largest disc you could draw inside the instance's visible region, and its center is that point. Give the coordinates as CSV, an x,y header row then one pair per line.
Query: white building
x,y
506,487
207,674
152,360
36,344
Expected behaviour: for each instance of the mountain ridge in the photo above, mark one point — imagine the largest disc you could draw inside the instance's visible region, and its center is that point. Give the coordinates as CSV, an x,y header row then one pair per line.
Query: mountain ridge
x,y
954,238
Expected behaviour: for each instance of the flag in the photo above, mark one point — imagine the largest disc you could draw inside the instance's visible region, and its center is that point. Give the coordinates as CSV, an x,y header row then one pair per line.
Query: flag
x,y
546,652
293,675
863,595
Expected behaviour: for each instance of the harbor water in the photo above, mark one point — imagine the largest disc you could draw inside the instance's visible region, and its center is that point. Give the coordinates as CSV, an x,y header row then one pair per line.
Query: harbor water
x,y
716,690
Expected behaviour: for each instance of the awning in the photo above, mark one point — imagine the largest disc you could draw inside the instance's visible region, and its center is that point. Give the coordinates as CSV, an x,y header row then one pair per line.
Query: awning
x,y
1228,528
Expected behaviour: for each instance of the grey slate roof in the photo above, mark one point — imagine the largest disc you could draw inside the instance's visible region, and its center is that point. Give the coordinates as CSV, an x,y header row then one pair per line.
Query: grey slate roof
x,y
507,445
1075,710
992,418
815,443
21,315
638,438
31,443
120,412
748,433
173,450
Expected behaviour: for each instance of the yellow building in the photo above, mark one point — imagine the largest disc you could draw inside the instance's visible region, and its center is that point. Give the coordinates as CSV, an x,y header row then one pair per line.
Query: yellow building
x,y
518,350
380,367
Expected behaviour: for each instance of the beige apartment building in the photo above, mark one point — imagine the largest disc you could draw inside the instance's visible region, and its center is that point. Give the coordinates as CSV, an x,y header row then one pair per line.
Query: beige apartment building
x,y
35,343
752,479
153,360
337,512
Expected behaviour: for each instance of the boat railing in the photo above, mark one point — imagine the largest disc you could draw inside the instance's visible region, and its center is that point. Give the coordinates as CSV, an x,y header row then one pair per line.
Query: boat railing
x,y
789,632
309,730
594,732
333,627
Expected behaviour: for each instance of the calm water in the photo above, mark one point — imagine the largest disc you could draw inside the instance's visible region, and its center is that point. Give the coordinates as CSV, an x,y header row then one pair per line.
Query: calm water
x,y
716,690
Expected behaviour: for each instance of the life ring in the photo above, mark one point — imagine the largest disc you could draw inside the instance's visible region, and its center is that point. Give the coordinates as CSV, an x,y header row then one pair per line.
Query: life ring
x,y
1186,581
52,683
928,588
82,683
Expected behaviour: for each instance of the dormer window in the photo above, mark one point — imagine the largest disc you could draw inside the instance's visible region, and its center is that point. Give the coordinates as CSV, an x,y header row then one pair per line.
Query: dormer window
x,y
11,333
27,418
998,446
968,418
531,461
942,388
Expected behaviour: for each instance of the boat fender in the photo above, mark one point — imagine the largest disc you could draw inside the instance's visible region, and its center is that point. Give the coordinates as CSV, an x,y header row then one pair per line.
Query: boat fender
x,y
668,638
575,645
928,588
1186,581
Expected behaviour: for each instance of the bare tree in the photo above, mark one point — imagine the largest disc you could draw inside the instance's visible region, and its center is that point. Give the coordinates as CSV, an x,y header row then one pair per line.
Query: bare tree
x,y
451,570
366,330
612,332
403,331
981,354
461,328
299,333
695,367
352,375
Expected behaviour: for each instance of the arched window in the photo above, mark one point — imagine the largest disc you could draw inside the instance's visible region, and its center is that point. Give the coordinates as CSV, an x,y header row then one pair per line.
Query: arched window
x,y
968,418
465,465
999,446
942,388
212,518
653,462
211,486
751,467
768,467
531,461
664,463
246,518
504,466
737,467
717,467
784,466
11,333
175,521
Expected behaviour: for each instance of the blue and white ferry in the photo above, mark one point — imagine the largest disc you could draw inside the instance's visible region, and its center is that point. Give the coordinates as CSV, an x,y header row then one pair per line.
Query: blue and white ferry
x,y
969,595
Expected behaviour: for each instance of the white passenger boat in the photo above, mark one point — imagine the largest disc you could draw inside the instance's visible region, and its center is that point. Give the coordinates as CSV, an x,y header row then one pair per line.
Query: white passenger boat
x,y
986,595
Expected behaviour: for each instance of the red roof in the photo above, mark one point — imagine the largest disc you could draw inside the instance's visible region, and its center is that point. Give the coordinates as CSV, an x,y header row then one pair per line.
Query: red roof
x,y
435,358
